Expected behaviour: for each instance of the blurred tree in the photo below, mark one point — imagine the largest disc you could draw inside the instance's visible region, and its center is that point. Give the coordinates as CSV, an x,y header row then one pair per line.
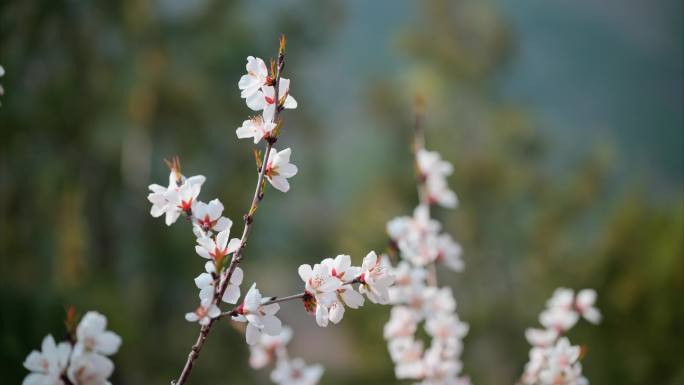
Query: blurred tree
x,y
528,222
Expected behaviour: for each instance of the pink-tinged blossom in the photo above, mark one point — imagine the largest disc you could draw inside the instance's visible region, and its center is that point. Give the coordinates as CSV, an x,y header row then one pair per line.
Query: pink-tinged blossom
x,y
402,323
558,319
90,369
218,247
260,318
296,372
446,328
438,192
92,336
205,282
279,169
407,355
438,301
175,199
264,99
256,77
269,348
208,217
442,364
47,365
552,359
541,337
562,298
554,365
584,304
375,279
341,269
285,99
449,252
434,171
256,128
408,286
321,285
204,313
413,227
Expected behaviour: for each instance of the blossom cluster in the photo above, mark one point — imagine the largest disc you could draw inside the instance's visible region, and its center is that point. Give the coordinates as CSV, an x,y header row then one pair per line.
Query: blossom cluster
x,y
273,349
416,299
434,171
328,286
553,360
80,361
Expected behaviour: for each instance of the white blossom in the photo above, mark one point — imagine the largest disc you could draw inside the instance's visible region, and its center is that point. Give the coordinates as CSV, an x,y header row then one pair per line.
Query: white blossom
x,y
403,322
208,216
407,355
90,369
269,347
341,268
204,313
446,328
217,248
552,359
279,169
554,365
449,252
92,336
375,279
322,286
541,337
585,305
256,77
47,365
435,170
205,282
296,372
256,128
413,227
260,318
175,199
284,98
438,192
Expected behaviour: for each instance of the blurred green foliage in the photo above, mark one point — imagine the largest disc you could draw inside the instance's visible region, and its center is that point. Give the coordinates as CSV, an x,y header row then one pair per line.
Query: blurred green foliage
x,y
97,94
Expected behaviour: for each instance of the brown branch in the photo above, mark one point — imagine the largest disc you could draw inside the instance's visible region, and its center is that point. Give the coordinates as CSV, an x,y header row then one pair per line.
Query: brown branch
x,y
248,218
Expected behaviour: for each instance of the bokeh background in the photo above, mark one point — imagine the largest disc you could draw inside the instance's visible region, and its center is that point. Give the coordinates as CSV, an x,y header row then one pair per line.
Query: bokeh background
x,y
563,119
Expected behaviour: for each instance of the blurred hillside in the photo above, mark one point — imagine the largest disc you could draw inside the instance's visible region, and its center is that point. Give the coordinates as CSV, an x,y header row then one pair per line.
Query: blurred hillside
x,y
553,193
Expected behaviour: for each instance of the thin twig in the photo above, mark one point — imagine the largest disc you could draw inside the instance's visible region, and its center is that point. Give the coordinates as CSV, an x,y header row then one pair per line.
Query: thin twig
x,y
273,300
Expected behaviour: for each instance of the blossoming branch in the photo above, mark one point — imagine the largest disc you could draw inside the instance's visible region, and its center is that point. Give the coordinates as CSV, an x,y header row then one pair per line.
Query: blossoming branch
x,y
416,297
328,285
